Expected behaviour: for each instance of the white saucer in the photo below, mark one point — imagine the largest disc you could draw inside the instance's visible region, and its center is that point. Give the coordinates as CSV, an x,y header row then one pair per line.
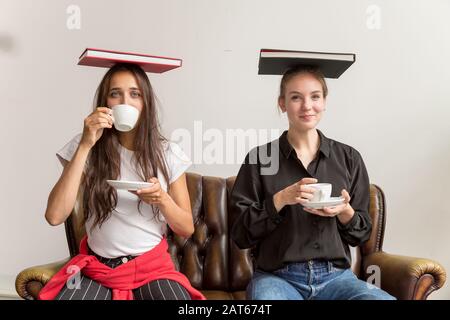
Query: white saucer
x,y
129,185
331,202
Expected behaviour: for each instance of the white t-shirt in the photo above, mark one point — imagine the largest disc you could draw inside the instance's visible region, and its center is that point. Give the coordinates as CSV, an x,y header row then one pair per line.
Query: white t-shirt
x,y
128,231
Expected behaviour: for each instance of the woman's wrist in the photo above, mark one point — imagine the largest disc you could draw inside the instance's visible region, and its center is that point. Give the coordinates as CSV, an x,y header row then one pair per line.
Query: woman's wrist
x,y
84,147
346,215
82,152
278,200
165,201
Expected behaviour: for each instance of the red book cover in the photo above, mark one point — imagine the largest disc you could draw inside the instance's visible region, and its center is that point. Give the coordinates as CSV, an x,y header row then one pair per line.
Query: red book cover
x,y
107,58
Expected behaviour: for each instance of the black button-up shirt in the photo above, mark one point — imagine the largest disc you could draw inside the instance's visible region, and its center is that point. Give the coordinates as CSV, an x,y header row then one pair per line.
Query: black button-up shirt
x,y
294,235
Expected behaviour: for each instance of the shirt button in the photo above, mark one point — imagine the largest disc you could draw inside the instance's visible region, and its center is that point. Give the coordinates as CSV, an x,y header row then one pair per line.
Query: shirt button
x,y
316,246
124,259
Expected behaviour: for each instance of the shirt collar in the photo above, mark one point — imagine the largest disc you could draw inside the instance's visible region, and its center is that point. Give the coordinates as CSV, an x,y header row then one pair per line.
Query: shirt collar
x,y
286,147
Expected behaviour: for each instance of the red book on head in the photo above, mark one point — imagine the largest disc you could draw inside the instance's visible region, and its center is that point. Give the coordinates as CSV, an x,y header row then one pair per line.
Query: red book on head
x,y
107,58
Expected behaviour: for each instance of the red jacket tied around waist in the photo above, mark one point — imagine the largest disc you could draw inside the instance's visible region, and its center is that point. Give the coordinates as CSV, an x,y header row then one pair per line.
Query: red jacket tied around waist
x,y
153,265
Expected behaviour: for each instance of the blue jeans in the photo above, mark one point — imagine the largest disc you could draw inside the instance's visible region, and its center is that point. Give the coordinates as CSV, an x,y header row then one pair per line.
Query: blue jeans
x,y
312,280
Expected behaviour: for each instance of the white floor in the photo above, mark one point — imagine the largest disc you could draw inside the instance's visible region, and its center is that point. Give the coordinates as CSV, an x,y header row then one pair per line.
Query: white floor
x,y
7,288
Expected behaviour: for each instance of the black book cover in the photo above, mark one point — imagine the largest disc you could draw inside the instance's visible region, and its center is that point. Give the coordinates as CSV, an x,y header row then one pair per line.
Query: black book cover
x,y
332,65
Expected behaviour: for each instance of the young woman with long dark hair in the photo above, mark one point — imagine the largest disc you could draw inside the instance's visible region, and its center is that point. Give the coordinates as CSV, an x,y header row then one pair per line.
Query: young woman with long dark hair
x,y
124,254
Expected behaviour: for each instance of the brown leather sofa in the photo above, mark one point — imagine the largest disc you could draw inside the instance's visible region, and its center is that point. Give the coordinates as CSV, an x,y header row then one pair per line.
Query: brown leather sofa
x,y
216,266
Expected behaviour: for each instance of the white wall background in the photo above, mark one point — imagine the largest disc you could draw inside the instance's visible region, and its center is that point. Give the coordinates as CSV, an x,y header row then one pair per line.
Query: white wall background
x,y
392,104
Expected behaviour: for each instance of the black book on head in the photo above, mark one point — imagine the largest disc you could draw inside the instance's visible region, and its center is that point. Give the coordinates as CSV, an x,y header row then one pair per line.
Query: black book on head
x,y
332,65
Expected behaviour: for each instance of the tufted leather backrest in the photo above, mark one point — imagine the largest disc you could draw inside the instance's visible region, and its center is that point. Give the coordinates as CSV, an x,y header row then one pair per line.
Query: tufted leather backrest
x,y
204,257
209,258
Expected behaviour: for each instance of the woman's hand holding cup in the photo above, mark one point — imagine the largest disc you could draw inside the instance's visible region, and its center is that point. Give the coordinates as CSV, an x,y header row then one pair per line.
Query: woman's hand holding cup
x,y
297,193
94,124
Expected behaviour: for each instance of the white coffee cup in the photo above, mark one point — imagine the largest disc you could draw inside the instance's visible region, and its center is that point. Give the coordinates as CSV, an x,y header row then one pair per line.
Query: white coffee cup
x,y
125,117
323,191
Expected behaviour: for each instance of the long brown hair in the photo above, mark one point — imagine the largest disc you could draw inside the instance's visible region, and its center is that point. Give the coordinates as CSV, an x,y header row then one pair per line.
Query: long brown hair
x,y
99,198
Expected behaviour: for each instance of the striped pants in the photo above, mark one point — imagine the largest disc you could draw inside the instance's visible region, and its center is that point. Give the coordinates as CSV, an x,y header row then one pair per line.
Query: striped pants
x,y
89,289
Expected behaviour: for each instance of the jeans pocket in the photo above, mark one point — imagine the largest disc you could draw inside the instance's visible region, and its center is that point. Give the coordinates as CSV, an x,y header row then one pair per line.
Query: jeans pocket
x,y
283,270
337,269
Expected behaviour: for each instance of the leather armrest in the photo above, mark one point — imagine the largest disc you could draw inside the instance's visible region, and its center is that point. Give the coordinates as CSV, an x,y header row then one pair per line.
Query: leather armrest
x,y
31,280
406,278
